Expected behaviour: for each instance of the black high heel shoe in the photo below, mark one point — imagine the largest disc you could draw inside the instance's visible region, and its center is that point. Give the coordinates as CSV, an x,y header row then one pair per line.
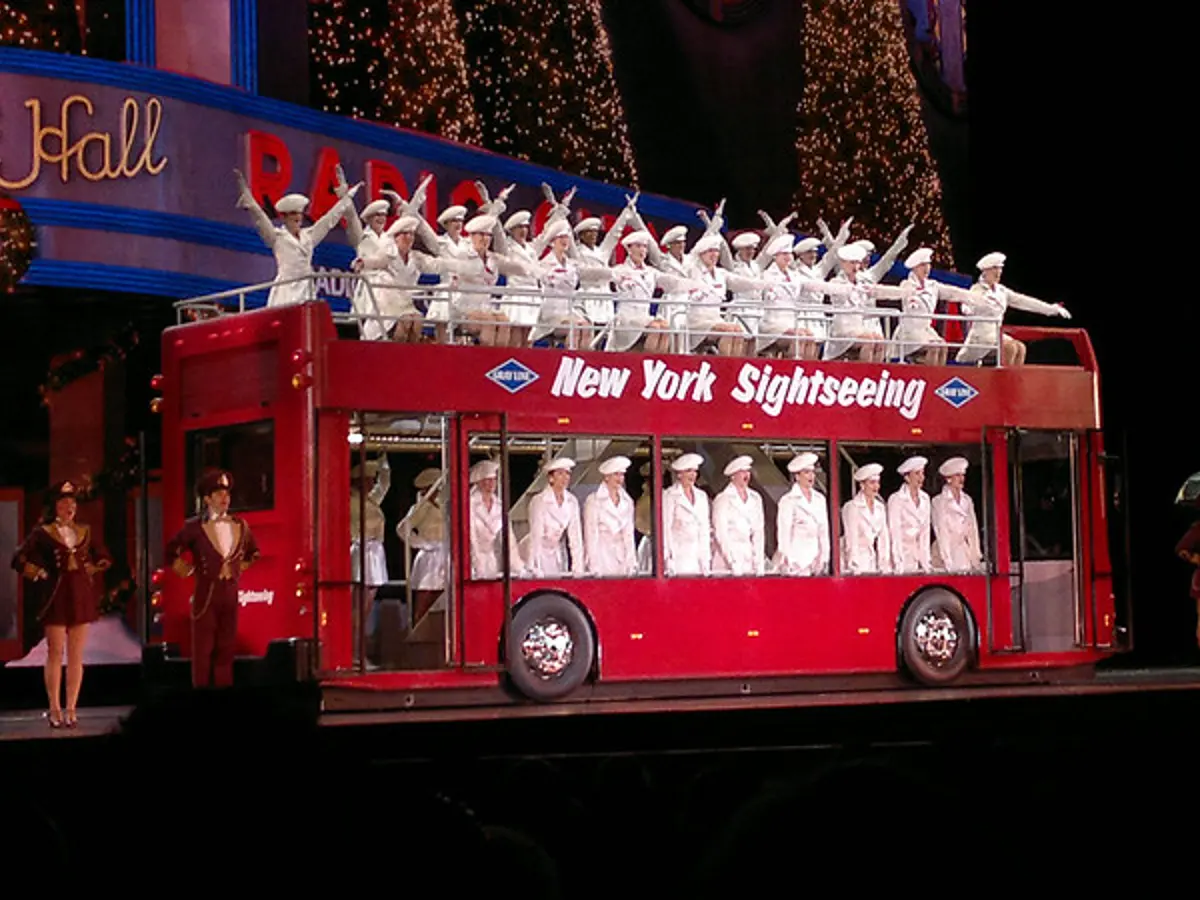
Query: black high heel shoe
x,y
70,719
55,719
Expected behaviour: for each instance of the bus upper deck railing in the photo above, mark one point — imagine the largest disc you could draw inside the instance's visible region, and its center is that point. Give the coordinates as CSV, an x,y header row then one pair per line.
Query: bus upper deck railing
x,y
451,311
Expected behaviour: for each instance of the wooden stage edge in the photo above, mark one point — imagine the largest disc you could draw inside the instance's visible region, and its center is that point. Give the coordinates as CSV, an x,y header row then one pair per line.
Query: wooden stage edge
x,y
26,725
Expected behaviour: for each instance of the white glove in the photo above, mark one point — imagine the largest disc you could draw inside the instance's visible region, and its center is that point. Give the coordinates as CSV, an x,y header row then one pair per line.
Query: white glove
x,y
1062,311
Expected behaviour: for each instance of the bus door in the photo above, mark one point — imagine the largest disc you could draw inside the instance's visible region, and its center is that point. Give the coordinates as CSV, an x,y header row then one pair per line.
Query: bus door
x,y
1045,547
486,594
388,540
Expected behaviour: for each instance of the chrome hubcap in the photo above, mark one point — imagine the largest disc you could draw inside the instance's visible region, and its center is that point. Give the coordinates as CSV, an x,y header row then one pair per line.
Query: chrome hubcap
x,y
937,638
547,648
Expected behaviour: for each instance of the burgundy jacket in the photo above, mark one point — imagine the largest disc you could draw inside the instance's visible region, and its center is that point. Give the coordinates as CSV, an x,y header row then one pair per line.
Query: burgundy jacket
x,y
216,575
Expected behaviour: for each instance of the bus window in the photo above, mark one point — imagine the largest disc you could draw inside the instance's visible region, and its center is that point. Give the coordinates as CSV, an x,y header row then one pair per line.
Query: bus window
x,y
595,538
801,525
740,527
246,451
399,537
952,480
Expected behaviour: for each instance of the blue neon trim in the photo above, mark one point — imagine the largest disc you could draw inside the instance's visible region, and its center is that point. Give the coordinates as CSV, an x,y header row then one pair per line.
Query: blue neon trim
x,y
389,139
140,32
243,51
169,226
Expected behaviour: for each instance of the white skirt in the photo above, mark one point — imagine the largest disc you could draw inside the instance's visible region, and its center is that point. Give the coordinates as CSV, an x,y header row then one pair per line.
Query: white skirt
x,y
377,572
429,568
982,339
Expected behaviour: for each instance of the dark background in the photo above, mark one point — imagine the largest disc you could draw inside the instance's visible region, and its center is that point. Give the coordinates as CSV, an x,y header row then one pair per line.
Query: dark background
x,y
1070,158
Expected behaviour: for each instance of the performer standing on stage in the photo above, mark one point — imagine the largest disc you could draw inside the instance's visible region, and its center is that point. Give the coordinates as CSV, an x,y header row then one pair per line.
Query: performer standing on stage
x,y
59,559
222,548
292,244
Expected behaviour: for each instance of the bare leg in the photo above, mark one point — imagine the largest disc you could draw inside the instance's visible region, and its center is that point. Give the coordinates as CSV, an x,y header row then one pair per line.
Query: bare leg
x,y
656,337
76,639
56,639
440,332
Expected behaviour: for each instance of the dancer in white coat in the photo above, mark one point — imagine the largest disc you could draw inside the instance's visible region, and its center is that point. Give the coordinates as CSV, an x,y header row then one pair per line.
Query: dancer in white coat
x,y
609,544
424,527
522,309
593,252
292,244
562,315
991,299
636,281
785,327
705,323
955,529
908,520
739,527
487,523
915,333
866,548
853,298
554,526
802,523
687,523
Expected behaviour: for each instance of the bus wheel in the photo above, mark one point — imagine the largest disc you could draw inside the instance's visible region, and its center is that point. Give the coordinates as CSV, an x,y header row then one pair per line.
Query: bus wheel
x,y
550,647
935,637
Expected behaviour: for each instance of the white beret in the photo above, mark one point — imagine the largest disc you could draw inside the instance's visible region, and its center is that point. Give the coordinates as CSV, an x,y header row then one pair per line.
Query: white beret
x,y
739,464
809,243
865,244
484,469
374,208
781,244
636,237
556,229
853,253
912,464
563,462
991,261
673,234
591,222
687,462
403,225
919,257
450,213
426,478
480,225
712,242
803,461
870,470
521,217
291,203
746,239
614,465
955,465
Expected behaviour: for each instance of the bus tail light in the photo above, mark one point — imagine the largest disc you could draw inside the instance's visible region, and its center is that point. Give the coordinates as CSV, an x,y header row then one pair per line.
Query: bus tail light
x,y
156,382
156,405
301,357
157,577
300,381
156,598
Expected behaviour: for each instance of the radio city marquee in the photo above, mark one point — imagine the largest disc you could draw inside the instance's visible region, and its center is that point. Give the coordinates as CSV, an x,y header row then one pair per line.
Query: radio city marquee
x,y
127,154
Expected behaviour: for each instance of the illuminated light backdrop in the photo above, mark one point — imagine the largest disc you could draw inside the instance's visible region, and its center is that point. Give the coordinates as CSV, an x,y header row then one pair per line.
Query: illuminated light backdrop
x,y
862,146
532,79
17,29
426,84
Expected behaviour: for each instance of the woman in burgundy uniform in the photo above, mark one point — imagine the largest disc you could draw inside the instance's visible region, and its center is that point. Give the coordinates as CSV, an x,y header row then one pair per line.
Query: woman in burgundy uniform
x,y
59,559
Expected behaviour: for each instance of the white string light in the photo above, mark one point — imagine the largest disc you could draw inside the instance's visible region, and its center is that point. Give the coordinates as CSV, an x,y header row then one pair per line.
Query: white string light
x,y
862,145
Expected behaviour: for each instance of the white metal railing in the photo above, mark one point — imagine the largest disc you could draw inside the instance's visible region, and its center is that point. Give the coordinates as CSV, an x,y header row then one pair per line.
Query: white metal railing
x,y
462,303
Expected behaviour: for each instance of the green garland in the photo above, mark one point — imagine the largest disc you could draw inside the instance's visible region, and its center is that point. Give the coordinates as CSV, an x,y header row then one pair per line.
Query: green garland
x,y
85,362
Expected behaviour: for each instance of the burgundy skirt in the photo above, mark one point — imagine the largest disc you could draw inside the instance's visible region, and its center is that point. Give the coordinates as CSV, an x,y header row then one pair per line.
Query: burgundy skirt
x,y
73,601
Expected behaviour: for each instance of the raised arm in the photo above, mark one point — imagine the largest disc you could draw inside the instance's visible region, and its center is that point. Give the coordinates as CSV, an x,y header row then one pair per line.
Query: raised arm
x,y
884,265
828,262
344,206
341,187
383,481
262,223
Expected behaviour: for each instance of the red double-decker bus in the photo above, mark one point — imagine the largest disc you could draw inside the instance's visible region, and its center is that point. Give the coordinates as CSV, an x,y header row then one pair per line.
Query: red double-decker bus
x,y
317,426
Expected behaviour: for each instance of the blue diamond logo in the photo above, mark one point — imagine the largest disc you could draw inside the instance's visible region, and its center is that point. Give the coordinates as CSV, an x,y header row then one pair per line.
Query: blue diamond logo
x,y
957,392
513,376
